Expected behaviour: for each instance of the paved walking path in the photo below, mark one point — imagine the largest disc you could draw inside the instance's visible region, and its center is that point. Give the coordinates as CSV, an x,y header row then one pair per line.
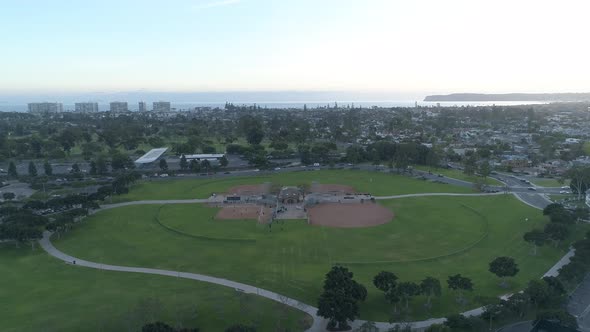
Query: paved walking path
x,y
218,200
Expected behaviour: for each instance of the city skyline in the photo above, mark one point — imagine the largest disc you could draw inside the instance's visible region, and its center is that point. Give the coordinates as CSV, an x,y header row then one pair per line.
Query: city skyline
x,y
407,49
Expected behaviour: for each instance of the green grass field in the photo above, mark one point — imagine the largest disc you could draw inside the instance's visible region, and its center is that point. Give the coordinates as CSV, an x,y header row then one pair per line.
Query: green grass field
x,y
378,184
294,257
40,293
457,174
548,182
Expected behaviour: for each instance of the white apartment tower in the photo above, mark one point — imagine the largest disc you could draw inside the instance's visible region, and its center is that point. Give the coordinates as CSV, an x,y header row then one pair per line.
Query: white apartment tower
x,y
43,108
161,106
86,107
119,106
142,106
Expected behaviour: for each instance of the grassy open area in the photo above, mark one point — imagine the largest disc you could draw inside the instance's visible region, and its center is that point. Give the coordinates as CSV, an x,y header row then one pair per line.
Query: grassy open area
x,y
457,174
379,184
40,293
294,257
548,182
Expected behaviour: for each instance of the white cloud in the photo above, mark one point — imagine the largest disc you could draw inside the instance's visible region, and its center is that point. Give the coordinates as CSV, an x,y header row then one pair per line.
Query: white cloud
x,y
214,4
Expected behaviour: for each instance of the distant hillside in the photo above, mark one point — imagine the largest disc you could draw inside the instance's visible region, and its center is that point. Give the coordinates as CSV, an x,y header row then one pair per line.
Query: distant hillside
x,y
511,97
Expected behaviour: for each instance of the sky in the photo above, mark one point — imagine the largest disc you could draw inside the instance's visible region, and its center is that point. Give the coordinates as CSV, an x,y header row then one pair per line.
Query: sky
x,y
399,46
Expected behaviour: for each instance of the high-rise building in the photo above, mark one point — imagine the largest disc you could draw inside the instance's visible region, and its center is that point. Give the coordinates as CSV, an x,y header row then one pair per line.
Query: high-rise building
x,y
86,107
142,106
161,106
45,107
119,106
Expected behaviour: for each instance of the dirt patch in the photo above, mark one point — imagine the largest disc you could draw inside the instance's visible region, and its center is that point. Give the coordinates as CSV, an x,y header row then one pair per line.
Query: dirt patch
x,y
349,215
331,189
252,212
250,189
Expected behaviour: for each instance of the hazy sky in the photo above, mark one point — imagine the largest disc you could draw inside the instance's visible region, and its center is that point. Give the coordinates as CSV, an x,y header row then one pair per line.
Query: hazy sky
x,y
358,45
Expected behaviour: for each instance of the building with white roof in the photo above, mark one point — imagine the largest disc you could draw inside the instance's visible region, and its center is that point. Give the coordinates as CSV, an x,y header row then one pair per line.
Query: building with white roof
x,y
151,156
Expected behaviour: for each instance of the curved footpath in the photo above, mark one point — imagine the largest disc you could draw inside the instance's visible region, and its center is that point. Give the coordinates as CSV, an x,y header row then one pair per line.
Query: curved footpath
x,y
319,323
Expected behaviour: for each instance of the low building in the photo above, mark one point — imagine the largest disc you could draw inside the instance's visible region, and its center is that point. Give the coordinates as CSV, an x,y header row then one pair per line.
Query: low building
x,y
290,195
204,156
151,156
516,162
119,107
87,107
45,107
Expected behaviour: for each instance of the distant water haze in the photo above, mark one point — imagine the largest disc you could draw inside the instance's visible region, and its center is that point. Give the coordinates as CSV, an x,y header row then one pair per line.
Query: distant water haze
x,y
185,106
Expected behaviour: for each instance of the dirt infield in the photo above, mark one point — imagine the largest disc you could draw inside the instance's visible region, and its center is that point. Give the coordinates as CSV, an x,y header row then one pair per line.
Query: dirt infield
x,y
349,215
250,189
244,211
331,188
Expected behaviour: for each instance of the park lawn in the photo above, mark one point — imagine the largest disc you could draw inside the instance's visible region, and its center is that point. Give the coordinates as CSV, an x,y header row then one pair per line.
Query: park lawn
x,y
548,182
40,293
376,183
294,257
559,197
457,174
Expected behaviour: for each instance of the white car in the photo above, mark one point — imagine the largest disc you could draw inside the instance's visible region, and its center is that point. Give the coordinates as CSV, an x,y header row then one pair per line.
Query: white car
x,y
564,192
277,168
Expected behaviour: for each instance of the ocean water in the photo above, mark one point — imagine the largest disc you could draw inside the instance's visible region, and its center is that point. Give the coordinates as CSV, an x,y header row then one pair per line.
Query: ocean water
x,y
184,106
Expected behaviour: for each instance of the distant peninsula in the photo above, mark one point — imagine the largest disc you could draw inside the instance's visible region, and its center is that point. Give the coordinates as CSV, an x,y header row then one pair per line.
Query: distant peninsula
x,y
547,97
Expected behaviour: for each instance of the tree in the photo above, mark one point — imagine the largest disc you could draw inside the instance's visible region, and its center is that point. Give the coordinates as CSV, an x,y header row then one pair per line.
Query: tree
x,y
75,169
47,168
537,291
93,169
183,163
339,300
101,166
536,237
438,328
385,281
484,169
195,166
367,326
430,287
561,316
470,164
407,290
460,284
8,196
32,169
223,162
240,328
551,208
557,232
504,267
12,170
163,165
206,165
120,161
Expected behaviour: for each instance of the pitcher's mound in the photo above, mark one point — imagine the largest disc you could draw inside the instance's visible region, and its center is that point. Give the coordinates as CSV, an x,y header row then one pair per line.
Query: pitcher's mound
x,y
349,215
